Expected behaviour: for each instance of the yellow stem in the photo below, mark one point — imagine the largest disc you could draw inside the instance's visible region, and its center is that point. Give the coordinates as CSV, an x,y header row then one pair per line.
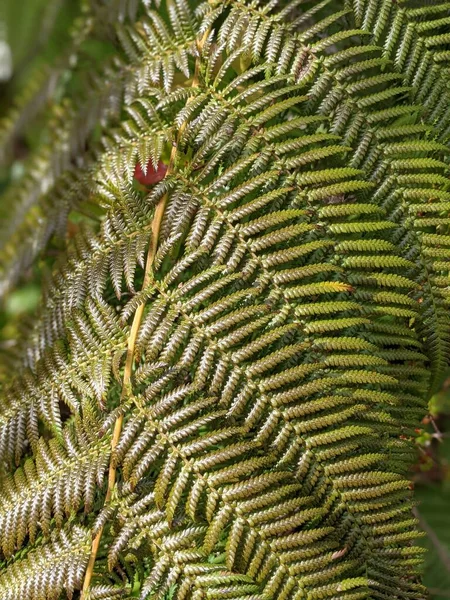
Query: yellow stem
x,y
153,246
119,421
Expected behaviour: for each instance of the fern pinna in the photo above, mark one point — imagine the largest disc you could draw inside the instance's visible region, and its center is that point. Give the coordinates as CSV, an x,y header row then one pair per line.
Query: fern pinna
x,y
219,396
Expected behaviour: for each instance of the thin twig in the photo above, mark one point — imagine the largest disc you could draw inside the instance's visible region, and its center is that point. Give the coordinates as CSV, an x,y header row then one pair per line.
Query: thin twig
x,y
438,432
438,592
441,550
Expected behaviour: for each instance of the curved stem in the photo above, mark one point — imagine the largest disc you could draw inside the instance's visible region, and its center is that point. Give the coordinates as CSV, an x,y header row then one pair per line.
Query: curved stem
x,y
126,381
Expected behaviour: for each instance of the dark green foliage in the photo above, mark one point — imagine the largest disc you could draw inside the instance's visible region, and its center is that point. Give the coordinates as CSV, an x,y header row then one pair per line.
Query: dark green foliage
x,y
433,493
434,520
265,353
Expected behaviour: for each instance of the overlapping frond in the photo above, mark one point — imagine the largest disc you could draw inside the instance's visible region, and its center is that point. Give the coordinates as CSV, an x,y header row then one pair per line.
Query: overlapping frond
x,y
264,344
57,173
52,569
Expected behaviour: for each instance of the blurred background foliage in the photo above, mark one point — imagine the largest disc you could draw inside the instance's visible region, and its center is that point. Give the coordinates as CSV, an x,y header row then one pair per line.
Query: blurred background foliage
x,y
432,484
36,31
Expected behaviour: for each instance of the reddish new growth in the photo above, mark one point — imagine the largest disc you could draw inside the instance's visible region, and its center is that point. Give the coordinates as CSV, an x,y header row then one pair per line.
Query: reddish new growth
x,y
152,176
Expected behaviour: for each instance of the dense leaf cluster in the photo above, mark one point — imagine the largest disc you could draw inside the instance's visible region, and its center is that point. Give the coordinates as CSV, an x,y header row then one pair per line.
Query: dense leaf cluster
x,y
220,394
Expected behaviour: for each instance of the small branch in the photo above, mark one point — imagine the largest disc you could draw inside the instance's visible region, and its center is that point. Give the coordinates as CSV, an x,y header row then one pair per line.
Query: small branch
x,y
438,592
441,550
438,432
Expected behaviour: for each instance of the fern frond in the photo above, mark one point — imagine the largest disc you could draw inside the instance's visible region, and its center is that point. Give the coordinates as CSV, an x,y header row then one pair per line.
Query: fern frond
x,y
260,329
50,569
